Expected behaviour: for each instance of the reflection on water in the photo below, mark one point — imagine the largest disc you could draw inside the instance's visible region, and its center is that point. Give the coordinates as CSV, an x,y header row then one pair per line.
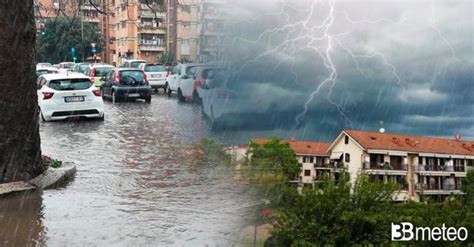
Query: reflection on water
x,y
21,220
137,183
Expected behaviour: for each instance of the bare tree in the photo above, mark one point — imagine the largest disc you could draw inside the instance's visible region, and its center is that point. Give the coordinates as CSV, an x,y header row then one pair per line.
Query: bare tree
x,y
20,150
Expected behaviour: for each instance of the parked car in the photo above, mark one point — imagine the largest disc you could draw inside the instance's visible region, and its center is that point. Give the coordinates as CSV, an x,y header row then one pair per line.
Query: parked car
x,y
97,71
132,63
62,96
126,83
80,67
156,74
43,65
176,78
66,65
202,75
45,70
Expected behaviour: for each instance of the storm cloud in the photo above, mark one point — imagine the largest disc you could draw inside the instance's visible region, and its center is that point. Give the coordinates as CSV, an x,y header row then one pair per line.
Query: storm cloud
x,y
317,67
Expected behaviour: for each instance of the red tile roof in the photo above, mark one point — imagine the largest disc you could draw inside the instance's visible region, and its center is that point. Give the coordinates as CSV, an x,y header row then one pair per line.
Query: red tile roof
x,y
410,143
302,147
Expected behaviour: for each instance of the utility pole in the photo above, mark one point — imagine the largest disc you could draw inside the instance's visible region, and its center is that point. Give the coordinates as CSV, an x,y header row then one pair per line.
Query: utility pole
x,y
82,31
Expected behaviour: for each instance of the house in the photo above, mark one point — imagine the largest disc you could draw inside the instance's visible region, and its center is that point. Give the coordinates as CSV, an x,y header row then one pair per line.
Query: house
x,y
312,157
425,167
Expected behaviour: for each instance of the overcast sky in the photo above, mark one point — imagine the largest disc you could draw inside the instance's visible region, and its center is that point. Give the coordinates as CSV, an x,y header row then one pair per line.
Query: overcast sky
x,y
406,66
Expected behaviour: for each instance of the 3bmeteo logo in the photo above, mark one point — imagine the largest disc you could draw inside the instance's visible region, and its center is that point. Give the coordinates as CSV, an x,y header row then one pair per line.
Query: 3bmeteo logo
x,y
405,231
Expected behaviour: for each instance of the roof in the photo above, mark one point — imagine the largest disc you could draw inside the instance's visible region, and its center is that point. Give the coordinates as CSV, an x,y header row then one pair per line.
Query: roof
x,y
301,147
411,143
69,75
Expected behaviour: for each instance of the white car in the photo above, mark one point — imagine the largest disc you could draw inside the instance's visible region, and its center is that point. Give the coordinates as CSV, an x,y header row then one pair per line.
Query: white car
x,y
132,63
181,74
62,96
155,73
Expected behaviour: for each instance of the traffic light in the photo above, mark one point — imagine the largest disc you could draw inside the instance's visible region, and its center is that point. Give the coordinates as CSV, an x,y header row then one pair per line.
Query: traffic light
x,y
73,54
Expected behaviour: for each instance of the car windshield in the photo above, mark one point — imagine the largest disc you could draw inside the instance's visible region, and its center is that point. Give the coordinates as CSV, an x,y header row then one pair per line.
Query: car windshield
x,y
102,71
69,84
68,65
132,77
136,64
82,67
155,68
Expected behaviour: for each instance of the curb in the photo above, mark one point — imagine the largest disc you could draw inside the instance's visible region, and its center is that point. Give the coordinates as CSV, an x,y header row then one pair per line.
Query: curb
x,y
51,178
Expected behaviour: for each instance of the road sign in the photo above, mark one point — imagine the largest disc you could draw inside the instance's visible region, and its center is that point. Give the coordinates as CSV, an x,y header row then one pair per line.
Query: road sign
x,y
94,50
73,50
93,45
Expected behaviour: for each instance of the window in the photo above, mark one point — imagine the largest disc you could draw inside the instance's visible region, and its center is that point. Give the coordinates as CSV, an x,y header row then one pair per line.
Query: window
x,y
347,157
307,173
346,140
68,84
175,70
308,159
155,68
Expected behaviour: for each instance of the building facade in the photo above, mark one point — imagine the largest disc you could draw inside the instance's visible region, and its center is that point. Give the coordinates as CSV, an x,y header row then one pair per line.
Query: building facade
x,y
424,167
140,30
211,30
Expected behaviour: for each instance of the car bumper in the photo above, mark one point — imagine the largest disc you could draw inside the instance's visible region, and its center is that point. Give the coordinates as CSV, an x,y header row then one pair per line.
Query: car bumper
x,y
131,92
157,83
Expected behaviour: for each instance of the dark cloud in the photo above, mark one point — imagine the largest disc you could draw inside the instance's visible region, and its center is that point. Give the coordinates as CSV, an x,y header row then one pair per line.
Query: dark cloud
x,y
403,65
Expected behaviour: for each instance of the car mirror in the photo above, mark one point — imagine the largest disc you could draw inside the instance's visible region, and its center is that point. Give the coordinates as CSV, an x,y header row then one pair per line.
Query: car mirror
x,y
39,87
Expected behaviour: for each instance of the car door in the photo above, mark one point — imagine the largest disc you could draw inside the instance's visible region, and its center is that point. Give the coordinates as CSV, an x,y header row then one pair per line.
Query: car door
x,y
107,83
174,77
186,81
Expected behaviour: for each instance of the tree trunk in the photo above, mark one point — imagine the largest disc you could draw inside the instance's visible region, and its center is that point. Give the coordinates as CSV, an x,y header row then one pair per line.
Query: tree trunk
x,y
20,150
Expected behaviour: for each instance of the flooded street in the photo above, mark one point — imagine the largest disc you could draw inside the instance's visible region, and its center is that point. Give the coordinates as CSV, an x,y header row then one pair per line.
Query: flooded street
x,y
136,184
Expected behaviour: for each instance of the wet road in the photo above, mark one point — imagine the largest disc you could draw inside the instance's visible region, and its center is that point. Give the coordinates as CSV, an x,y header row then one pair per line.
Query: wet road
x,y
136,184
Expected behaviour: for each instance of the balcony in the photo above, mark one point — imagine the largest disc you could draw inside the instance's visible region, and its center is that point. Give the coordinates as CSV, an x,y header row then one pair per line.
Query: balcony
x,y
151,29
146,12
331,165
149,47
439,188
437,169
385,166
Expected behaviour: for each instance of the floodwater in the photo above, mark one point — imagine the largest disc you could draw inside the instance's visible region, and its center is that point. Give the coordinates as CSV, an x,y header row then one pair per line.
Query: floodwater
x,y
136,184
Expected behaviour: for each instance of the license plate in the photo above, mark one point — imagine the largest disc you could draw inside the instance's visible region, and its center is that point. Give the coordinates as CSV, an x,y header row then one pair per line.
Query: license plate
x,y
155,76
134,95
74,99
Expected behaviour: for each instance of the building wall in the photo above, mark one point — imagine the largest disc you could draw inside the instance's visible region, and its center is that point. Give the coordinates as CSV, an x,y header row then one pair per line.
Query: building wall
x,y
354,166
187,39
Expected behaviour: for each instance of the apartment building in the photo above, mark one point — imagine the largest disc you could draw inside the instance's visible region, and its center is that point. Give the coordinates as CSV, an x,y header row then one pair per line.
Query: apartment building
x,y
313,158
140,29
184,16
426,168
211,30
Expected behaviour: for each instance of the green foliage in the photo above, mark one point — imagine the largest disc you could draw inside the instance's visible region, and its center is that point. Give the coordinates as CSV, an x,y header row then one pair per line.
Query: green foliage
x,y
336,213
166,58
274,160
209,151
55,163
60,35
468,188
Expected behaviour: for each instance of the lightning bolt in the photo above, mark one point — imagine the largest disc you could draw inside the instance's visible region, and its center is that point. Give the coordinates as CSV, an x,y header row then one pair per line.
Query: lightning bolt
x,y
321,39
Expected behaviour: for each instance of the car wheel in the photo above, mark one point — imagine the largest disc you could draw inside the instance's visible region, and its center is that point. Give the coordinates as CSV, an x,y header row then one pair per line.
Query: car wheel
x,y
148,99
42,117
102,118
168,90
196,98
180,95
